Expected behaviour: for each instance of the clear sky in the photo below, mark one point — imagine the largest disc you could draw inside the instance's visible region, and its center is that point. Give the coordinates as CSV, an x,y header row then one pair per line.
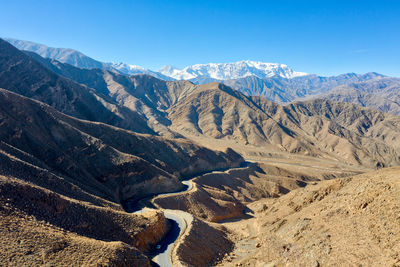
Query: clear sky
x,y
323,37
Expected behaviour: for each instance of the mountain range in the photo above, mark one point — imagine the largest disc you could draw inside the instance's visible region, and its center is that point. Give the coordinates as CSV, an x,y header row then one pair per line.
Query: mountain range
x,y
216,71
180,108
275,82
236,70
65,55
283,90
78,59
22,74
81,142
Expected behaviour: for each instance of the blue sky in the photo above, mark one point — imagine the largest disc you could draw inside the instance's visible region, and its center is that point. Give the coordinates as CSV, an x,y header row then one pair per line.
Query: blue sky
x,y
323,37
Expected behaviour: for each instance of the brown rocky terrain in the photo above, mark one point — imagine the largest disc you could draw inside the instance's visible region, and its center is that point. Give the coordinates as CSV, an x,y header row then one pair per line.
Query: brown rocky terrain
x,y
142,94
222,195
203,244
370,90
23,75
283,90
41,227
320,128
118,164
380,94
65,179
350,221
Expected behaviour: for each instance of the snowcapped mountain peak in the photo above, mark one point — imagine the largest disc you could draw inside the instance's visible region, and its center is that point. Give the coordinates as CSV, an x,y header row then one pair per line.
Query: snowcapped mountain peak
x,y
234,70
169,70
135,69
127,68
204,72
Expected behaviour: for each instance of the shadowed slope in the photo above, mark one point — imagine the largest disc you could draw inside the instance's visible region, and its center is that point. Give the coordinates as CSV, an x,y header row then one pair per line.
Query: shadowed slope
x,y
66,55
23,75
142,94
339,131
216,111
282,90
117,162
381,94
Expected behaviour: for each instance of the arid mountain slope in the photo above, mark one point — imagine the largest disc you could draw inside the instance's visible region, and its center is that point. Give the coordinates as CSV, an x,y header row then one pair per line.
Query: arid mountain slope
x,y
42,227
369,90
62,179
142,94
216,111
359,135
380,94
347,222
23,75
120,164
339,131
66,55
282,90
222,195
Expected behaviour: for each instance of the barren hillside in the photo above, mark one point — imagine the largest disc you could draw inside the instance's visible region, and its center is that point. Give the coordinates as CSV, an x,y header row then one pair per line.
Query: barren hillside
x,y
99,156
324,129
346,222
23,75
279,184
318,128
380,94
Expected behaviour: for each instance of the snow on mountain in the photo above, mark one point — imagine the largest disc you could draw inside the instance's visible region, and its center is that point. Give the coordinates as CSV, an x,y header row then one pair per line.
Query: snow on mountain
x,y
78,59
128,69
134,69
169,71
235,70
64,55
199,73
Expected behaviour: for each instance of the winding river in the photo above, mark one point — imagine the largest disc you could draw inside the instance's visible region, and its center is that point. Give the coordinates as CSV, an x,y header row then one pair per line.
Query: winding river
x,y
180,220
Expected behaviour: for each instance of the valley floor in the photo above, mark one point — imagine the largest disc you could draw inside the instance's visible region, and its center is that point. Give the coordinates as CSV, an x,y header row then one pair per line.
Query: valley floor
x,y
342,215
299,210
